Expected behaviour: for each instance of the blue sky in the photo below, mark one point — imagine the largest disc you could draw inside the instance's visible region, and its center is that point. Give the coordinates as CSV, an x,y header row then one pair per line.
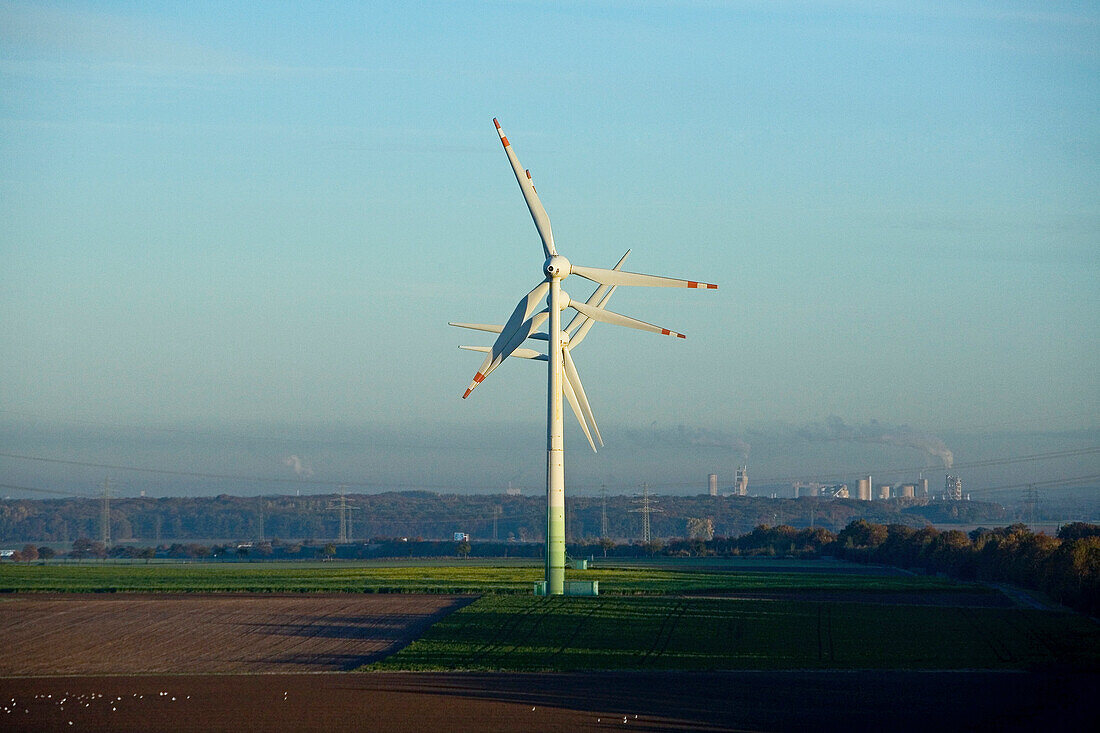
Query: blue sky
x,y
241,214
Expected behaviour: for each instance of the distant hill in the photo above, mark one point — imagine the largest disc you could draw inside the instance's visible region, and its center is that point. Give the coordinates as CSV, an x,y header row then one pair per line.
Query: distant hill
x,y
427,515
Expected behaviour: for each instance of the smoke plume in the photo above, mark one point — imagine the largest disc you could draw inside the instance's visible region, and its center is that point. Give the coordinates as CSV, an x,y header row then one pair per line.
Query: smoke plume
x,y
301,468
875,432
681,435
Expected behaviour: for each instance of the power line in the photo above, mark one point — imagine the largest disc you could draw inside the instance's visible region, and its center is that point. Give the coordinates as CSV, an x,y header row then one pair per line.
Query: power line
x,y
46,491
298,481
1052,482
221,476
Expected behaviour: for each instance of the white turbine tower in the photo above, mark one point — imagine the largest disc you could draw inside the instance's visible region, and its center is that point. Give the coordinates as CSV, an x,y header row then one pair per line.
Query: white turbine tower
x,y
562,379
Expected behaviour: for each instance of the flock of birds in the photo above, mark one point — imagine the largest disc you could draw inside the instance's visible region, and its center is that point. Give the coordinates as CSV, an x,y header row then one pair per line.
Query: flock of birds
x,y
34,705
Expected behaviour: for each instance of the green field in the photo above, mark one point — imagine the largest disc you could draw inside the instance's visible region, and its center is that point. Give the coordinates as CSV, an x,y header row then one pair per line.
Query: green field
x,y
456,576
523,634
687,615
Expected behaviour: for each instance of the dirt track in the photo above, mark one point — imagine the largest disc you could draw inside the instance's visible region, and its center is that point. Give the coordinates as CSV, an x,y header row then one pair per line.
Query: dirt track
x,y
146,634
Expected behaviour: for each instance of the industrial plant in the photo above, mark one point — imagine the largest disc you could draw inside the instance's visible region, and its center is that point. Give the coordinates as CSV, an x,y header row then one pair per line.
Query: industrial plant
x,y
865,489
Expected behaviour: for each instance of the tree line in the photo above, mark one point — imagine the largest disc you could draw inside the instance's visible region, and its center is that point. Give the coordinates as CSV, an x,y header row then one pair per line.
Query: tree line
x,y
427,514
1066,566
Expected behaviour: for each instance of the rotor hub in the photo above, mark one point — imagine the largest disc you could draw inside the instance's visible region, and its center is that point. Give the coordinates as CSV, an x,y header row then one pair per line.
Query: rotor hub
x,y
556,267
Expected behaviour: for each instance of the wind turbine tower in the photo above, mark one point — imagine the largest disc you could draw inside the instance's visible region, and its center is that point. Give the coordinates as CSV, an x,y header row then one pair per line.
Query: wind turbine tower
x,y
562,377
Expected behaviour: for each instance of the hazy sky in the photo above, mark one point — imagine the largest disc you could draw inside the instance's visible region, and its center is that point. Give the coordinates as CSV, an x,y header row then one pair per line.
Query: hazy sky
x,y
240,214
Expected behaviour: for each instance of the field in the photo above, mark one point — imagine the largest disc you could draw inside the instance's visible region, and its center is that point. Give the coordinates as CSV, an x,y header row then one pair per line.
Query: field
x,y
718,577
635,701
715,645
147,634
515,633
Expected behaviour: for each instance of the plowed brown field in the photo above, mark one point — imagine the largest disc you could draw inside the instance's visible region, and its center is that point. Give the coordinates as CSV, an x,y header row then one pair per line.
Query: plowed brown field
x,y
147,634
191,663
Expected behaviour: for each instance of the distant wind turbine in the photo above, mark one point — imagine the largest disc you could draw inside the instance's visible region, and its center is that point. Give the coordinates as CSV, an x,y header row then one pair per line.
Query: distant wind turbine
x,y
562,377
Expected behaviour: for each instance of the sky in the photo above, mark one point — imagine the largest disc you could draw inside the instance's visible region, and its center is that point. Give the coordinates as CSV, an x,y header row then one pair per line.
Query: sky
x,y
248,224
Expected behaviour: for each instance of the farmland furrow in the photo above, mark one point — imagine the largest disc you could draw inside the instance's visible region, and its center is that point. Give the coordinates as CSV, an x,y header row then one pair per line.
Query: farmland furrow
x,y
668,624
84,634
1003,653
536,619
504,631
1023,623
580,626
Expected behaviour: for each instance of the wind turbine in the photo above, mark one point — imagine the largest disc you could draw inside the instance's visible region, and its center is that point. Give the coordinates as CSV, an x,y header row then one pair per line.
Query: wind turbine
x,y
562,377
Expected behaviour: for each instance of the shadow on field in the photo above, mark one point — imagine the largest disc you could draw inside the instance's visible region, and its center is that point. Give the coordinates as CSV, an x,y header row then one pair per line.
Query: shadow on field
x,y
789,700
945,598
385,635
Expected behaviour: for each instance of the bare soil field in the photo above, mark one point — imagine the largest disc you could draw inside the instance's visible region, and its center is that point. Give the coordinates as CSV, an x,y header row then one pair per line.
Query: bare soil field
x,y
82,634
648,701
236,663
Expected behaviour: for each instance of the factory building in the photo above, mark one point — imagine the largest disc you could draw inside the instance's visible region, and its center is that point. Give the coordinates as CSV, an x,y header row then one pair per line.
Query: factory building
x,y
741,484
952,488
836,491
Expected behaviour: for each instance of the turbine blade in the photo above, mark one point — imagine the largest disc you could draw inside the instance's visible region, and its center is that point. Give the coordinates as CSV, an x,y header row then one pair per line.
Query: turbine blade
x,y
597,298
618,277
478,326
538,213
516,321
521,353
571,397
586,325
606,316
574,380
519,326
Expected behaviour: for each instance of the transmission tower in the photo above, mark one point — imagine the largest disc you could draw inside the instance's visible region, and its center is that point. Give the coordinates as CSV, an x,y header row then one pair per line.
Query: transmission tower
x,y
1031,503
647,507
343,518
260,533
603,511
105,520
345,510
